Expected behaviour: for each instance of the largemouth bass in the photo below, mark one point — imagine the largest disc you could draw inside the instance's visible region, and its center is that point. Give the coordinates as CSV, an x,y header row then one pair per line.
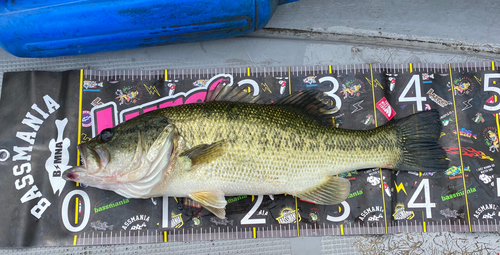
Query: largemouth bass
x,y
223,148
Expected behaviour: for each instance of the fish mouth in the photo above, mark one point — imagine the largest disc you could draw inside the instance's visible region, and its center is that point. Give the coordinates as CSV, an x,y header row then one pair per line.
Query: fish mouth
x,y
82,148
97,154
101,155
72,173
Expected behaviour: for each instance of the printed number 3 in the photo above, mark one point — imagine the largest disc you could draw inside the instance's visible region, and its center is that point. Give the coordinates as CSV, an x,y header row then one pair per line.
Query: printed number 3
x,y
331,93
347,211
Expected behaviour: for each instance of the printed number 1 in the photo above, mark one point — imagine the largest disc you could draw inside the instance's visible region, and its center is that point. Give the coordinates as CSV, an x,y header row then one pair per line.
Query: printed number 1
x,y
164,216
418,98
246,220
498,188
424,184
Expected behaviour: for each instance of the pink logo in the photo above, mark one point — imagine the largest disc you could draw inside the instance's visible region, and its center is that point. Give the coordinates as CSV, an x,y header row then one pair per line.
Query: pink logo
x,y
106,115
386,108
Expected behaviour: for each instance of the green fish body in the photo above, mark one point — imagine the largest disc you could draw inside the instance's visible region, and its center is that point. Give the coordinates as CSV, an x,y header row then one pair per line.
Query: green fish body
x,y
216,149
264,149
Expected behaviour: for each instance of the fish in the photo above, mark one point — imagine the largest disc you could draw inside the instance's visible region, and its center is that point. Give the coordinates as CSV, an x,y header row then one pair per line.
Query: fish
x,y
238,144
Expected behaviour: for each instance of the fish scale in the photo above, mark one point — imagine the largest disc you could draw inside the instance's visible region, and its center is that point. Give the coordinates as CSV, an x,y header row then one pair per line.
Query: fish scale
x,y
298,150
232,145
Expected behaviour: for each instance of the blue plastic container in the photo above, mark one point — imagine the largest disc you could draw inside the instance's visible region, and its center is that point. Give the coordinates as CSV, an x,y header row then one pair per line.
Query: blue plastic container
x,y
50,28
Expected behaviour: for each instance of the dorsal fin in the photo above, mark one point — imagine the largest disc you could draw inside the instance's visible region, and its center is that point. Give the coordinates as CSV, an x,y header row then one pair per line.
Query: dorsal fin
x,y
309,101
234,93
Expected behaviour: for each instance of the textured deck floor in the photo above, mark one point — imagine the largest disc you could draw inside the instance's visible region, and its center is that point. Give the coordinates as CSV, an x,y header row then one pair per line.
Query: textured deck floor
x,y
316,32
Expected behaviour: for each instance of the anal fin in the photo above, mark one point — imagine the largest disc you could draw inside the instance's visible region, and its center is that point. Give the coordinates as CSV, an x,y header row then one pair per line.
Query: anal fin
x,y
214,201
333,190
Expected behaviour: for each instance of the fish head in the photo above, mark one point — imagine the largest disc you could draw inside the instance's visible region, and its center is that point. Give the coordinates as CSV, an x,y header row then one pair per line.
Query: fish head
x,y
129,159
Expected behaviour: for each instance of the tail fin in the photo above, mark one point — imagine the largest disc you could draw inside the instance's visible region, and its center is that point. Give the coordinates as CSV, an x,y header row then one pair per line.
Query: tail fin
x,y
418,137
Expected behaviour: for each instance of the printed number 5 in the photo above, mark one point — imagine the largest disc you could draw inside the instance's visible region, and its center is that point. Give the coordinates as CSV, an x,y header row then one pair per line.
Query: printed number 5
x,y
487,87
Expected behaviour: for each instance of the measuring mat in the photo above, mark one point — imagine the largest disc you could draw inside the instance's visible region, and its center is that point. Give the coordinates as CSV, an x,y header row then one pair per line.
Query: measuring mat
x,y
44,115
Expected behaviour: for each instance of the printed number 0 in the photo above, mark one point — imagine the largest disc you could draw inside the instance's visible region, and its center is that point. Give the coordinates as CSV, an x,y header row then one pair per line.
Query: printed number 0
x,y
418,98
246,220
65,212
487,87
331,93
427,198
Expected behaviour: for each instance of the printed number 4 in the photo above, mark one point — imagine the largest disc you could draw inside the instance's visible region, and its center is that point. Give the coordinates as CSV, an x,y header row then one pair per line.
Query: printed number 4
x,y
418,98
246,220
424,184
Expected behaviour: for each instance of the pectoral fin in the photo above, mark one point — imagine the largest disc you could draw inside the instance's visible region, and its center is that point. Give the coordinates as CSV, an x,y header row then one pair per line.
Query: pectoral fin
x,y
203,153
214,201
332,191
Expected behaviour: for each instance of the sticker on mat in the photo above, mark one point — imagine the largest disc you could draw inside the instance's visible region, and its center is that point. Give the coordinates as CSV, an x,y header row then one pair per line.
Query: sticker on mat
x,y
386,108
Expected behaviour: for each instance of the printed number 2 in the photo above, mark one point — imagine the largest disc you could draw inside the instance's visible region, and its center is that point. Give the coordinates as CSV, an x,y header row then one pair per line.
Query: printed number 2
x,y
246,220
487,87
418,98
424,184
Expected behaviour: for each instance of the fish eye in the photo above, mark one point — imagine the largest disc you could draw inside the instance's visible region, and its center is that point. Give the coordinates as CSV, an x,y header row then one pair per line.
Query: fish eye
x,y
106,135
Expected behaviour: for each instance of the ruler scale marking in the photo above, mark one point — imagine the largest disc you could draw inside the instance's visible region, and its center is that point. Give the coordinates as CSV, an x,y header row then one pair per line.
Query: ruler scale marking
x,y
312,230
